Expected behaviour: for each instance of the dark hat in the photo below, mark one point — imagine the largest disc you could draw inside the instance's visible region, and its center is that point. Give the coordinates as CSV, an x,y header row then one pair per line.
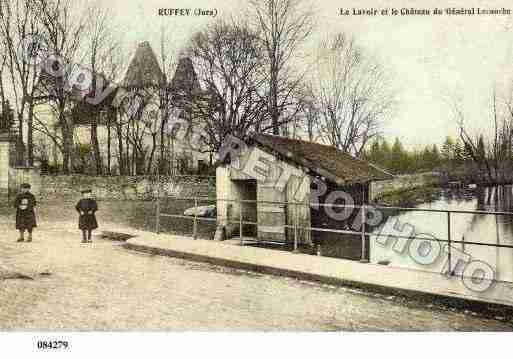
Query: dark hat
x,y
25,185
86,191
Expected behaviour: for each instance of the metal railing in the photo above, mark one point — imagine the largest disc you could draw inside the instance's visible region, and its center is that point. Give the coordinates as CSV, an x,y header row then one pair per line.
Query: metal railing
x,y
363,233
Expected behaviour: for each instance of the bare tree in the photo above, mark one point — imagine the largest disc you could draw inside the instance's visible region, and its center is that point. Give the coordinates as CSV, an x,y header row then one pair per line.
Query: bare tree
x,y
228,59
63,27
309,122
113,65
167,98
491,151
102,49
3,63
48,130
352,94
19,25
474,145
99,32
145,108
5,108
142,121
282,25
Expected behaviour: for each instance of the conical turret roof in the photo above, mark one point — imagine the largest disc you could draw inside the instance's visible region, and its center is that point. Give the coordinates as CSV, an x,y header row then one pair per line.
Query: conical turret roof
x,y
185,78
144,70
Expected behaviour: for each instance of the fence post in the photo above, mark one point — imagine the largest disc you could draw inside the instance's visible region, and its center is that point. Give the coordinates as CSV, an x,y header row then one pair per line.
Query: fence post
x,y
363,259
449,271
240,223
195,224
296,222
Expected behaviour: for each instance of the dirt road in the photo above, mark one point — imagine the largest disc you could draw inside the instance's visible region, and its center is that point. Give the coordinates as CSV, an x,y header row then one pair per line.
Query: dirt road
x,y
106,287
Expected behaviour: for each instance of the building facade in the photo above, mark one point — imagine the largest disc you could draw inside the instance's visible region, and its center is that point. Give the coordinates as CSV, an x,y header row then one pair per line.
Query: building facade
x,y
278,187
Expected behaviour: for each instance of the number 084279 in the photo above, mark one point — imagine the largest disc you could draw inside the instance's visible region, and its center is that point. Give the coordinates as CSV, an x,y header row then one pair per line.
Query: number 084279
x,y
52,344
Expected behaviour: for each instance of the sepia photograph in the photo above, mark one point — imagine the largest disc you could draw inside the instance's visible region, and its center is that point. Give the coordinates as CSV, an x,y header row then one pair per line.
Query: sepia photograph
x,y
255,166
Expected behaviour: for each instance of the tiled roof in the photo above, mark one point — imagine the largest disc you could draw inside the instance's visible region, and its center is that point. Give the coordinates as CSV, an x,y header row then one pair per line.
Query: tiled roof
x,y
326,161
185,78
144,69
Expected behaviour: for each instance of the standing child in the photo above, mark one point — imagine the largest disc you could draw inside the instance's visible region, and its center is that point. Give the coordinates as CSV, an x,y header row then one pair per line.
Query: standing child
x,y
87,208
25,203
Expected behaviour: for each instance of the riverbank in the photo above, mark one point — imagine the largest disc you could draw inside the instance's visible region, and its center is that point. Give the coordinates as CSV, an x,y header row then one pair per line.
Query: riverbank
x,y
410,197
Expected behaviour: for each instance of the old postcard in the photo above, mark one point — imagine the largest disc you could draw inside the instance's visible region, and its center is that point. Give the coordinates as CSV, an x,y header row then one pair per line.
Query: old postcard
x,y
255,165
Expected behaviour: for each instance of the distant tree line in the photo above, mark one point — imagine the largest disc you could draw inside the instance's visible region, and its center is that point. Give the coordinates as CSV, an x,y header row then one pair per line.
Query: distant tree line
x,y
449,157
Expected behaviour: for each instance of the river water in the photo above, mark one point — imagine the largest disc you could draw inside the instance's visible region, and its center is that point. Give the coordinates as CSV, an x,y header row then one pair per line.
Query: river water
x,y
482,228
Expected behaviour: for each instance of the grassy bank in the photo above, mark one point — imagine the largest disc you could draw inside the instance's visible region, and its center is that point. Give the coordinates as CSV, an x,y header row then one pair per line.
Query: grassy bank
x,y
410,197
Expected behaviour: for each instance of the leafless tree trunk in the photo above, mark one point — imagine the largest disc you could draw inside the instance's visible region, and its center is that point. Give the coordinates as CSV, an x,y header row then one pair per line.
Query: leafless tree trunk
x,y
63,26
282,25
308,123
119,136
109,142
98,31
3,62
42,127
141,118
491,152
19,24
166,100
228,59
102,46
352,94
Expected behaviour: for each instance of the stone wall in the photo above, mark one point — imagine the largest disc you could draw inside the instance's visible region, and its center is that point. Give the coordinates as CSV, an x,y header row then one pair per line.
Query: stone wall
x,y
19,175
403,182
124,188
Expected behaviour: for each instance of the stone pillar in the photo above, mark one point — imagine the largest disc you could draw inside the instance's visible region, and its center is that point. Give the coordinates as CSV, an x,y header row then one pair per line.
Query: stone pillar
x,y
4,166
271,216
222,193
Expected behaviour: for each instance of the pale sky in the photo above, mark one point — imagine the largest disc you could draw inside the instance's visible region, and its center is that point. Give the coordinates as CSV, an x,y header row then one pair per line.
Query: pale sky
x,y
430,57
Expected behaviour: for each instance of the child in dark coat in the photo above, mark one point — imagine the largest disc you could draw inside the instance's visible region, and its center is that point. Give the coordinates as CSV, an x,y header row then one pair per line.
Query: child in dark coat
x,y
25,203
87,208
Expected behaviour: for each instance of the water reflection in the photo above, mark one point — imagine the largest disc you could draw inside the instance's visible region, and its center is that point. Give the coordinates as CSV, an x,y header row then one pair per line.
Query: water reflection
x,y
481,228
